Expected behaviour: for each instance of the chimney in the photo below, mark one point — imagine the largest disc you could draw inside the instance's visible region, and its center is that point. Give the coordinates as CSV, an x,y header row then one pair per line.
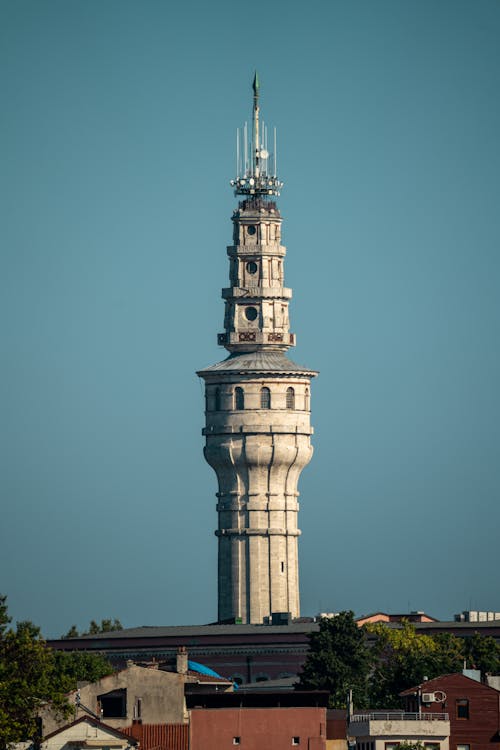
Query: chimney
x,y
182,660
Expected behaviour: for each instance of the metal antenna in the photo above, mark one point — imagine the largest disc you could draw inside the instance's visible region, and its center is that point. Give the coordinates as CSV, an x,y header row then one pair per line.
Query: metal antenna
x,y
275,154
254,177
237,152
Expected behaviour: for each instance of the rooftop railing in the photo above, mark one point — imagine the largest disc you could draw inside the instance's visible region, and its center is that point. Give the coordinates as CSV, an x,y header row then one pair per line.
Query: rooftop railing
x,y
399,716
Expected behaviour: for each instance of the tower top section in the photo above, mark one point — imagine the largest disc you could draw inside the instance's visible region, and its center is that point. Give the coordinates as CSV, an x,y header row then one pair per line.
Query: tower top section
x,y
256,167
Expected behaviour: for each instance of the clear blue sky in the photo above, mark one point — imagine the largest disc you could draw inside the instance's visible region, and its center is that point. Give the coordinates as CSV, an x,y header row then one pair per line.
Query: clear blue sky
x,y
117,136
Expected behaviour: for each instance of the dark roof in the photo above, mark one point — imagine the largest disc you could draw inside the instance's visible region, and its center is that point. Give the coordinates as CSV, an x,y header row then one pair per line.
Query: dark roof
x,y
161,631
437,681
258,362
259,699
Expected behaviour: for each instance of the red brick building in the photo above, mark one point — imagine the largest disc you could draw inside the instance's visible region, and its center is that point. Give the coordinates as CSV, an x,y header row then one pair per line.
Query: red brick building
x,y
279,721
473,709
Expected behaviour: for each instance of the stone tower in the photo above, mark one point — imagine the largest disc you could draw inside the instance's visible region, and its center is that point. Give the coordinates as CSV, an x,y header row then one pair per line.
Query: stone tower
x,y
257,404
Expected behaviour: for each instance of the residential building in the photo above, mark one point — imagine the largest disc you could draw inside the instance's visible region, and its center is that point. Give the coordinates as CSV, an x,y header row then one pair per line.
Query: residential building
x,y
385,730
473,709
87,732
258,720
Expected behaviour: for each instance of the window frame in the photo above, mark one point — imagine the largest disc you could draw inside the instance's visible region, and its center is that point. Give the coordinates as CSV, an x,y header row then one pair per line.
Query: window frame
x,y
462,703
239,398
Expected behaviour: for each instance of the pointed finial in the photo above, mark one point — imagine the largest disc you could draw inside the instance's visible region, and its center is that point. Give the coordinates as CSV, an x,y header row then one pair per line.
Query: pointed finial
x,y
255,84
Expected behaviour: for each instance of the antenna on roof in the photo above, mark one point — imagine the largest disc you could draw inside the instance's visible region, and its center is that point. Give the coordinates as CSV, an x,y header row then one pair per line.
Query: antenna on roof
x,y
253,176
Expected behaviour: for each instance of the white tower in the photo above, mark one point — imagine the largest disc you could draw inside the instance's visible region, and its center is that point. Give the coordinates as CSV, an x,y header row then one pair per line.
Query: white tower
x,y
257,404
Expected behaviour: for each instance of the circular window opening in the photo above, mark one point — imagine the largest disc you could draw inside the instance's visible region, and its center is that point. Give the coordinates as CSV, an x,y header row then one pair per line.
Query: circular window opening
x,y
251,313
252,267
251,229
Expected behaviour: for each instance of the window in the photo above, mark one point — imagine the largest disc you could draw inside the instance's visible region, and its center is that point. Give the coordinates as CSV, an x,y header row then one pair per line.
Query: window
x,y
431,745
282,567
306,400
290,398
138,708
236,740
463,747
462,708
265,398
239,399
217,399
114,704
295,740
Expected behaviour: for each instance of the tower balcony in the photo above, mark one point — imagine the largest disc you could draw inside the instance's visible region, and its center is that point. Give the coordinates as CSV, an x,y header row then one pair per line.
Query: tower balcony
x,y
252,340
257,292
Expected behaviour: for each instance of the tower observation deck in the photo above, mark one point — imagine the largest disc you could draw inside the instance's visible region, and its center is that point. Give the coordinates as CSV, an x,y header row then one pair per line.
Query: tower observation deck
x,y
257,402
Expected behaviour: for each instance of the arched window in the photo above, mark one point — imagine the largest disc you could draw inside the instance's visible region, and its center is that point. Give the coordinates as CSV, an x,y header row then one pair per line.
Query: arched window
x,y
265,398
217,399
239,398
306,400
290,398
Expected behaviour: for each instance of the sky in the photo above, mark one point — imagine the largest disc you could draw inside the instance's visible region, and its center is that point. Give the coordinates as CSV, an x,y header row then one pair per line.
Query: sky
x,y
117,133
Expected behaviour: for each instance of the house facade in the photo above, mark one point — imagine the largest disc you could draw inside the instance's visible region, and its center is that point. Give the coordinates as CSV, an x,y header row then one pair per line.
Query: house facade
x,y
473,709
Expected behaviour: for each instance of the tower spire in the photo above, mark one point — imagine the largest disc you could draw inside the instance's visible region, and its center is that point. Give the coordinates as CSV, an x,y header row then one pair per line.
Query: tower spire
x,y
256,176
256,140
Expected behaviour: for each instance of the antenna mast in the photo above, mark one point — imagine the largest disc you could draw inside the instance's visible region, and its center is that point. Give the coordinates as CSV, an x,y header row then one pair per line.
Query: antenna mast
x,y
254,177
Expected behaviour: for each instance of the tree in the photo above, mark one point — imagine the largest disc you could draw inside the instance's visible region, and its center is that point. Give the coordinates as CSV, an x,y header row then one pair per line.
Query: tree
x,y
402,659
26,681
77,666
106,626
449,656
31,674
482,652
338,661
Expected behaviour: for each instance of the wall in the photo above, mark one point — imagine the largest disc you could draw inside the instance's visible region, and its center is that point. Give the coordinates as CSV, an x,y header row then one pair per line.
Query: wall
x,y
258,728
161,694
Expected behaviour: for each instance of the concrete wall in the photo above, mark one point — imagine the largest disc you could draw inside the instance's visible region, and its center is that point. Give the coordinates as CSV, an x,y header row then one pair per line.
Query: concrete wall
x,y
161,695
391,730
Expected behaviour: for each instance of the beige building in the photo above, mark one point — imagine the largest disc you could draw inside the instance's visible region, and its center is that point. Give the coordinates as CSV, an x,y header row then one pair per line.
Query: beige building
x,y
143,694
257,406
88,733
383,730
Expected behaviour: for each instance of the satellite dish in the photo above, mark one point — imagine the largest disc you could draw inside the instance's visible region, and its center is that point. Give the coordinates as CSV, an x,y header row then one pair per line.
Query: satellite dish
x,y
264,154
251,180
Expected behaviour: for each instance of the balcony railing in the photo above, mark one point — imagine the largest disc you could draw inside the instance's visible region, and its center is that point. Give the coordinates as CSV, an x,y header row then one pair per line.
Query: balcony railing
x,y
399,716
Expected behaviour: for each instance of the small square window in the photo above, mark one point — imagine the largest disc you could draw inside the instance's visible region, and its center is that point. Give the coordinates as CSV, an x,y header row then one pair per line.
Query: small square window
x,y
295,740
236,740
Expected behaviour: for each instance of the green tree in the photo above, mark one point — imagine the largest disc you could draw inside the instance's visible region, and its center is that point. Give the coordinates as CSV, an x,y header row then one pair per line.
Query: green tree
x,y
31,674
449,656
26,682
338,660
78,666
105,626
402,658
482,652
